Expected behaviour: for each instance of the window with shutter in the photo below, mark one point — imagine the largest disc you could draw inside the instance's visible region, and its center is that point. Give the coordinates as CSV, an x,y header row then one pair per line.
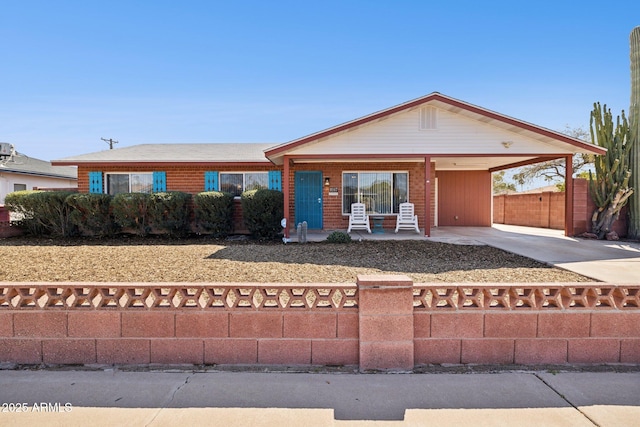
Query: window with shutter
x,y
275,180
159,182
211,181
237,182
95,182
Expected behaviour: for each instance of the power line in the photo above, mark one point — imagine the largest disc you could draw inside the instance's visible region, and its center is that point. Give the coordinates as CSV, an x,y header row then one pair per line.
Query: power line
x,y
110,142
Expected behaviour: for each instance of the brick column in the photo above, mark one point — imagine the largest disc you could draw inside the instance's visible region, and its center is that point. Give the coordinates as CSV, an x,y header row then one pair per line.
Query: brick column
x,y
386,322
427,196
568,193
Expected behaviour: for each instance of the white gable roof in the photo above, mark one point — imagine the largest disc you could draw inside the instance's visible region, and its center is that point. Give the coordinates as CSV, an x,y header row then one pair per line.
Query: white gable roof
x,y
462,131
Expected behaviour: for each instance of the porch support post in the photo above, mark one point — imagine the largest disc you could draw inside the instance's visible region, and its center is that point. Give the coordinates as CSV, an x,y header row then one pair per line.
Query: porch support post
x,y
568,196
427,196
285,189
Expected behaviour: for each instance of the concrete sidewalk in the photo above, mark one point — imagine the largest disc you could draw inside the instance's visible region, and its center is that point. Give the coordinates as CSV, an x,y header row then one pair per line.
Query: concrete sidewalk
x,y
112,397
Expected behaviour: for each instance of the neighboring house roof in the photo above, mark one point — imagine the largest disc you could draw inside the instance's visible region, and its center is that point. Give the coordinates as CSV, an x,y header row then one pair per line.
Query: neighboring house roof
x,y
22,164
175,153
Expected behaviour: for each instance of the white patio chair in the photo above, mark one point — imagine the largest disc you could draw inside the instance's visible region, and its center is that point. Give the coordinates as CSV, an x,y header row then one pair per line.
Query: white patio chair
x,y
358,220
406,219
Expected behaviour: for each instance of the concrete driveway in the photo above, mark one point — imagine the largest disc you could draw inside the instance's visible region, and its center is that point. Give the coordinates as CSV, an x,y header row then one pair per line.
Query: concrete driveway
x,y
613,262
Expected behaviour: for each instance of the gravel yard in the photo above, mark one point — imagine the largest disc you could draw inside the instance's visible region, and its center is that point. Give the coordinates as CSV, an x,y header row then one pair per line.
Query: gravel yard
x,y
206,260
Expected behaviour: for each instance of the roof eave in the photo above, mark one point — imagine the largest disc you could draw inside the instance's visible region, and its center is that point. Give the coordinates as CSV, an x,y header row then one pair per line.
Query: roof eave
x,y
42,174
158,162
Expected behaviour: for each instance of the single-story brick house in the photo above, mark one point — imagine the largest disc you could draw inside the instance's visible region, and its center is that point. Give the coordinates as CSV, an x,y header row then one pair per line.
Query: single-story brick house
x,y
435,151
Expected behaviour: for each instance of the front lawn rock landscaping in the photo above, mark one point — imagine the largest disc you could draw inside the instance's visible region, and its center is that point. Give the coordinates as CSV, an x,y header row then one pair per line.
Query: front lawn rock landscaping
x,y
201,259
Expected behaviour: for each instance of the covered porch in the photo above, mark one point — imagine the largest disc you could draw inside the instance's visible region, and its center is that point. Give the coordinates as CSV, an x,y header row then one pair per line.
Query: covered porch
x,y
445,190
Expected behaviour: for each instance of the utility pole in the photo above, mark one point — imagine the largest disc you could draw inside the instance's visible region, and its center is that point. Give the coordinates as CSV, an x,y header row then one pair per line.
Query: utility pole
x,y
110,142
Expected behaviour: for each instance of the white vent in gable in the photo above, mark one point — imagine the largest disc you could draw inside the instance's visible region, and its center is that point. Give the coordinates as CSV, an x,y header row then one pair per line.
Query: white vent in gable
x,y
428,118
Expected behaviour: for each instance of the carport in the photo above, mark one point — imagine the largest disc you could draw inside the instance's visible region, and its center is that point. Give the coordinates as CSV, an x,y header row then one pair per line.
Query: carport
x,y
447,147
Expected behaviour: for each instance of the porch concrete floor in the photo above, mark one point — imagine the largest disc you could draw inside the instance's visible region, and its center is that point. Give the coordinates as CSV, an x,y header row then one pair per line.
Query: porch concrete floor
x,y
607,261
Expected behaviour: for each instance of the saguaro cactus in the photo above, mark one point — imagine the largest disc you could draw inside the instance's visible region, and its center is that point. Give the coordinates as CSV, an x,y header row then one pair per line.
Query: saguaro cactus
x,y
634,123
610,189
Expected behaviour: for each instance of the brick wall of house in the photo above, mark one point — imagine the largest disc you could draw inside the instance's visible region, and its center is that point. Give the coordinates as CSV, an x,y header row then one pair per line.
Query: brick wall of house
x,y
182,177
190,179
382,322
332,205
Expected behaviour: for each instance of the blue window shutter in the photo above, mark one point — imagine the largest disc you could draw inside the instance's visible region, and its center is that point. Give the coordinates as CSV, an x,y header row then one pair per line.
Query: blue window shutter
x,y
275,180
159,182
95,182
211,181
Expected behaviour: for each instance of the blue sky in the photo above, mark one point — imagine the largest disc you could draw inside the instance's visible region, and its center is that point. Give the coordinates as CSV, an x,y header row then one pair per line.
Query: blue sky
x,y
254,71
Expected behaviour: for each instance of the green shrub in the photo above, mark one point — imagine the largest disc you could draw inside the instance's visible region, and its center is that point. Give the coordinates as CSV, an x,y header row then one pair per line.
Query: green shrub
x,y
44,213
339,237
90,214
169,213
262,211
130,212
214,213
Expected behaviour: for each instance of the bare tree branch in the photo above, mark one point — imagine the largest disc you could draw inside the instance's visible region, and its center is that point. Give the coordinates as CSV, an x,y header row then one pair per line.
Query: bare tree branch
x,y
555,170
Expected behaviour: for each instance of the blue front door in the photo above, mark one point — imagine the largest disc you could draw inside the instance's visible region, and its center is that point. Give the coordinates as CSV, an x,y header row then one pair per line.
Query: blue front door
x,y
308,197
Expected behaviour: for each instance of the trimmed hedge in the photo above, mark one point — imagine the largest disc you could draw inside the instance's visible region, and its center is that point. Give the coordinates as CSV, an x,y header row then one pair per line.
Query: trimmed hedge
x,y
90,214
130,212
169,213
263,210
214,213
65,214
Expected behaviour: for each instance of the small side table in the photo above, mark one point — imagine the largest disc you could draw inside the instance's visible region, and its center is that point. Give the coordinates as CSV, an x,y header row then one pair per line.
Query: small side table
x,y
377,224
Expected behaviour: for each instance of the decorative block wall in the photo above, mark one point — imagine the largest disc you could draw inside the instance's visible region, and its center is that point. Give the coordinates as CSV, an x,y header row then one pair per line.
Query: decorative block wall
x,y
383,322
